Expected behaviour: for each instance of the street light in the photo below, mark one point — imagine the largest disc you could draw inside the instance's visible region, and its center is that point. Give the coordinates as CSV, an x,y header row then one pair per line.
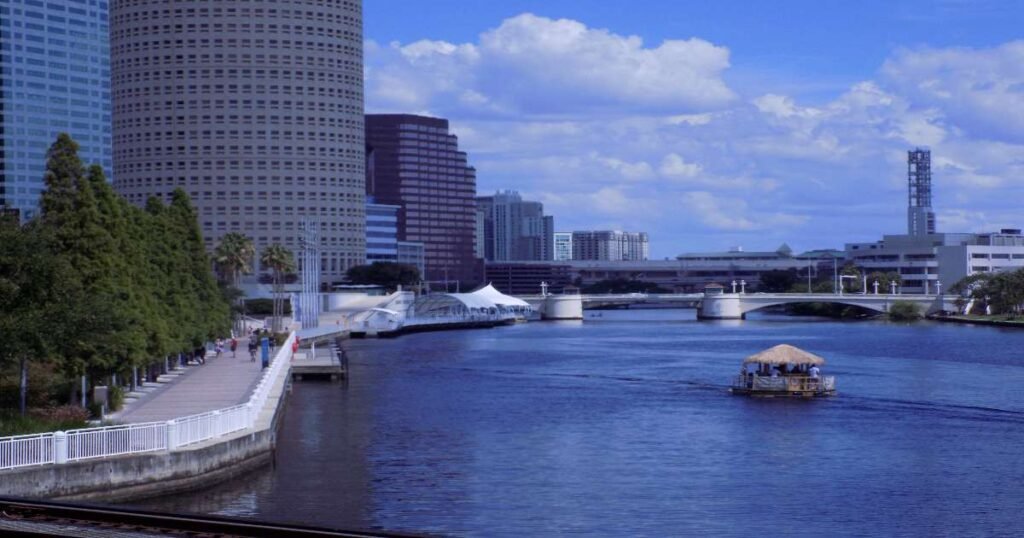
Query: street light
x,y
841,279
876,287
734,286
892,286
743,286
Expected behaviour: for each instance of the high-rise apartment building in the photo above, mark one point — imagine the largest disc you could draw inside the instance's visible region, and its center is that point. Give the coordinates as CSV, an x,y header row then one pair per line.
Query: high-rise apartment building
x,y
381,232
610,246
563,246
54,78
254,108
920,217
415,163
515,229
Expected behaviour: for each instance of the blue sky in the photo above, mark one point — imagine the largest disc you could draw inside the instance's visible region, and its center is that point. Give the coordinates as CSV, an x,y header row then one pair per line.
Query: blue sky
x,y
714,124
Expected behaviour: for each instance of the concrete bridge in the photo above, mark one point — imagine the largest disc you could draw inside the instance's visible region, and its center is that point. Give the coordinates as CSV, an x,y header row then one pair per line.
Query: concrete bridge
x,y
729,305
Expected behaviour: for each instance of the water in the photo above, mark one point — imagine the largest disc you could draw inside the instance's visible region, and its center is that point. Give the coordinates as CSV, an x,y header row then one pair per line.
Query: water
x,y
622,425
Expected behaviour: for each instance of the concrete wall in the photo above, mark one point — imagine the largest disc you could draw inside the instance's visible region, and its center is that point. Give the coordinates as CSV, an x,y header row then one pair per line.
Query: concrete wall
x,y
135,477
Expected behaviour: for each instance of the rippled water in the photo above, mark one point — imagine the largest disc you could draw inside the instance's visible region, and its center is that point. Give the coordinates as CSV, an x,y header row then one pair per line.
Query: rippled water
x,y
622,425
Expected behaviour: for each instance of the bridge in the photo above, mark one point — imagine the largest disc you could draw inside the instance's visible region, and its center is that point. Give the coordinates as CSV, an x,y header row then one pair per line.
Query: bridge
x,y
730,305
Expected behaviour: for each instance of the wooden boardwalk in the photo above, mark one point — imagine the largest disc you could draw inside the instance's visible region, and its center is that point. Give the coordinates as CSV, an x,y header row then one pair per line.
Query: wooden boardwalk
x,y
221,382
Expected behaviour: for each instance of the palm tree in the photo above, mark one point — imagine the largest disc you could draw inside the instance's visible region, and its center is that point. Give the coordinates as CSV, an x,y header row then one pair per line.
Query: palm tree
x,y
233,257
281,261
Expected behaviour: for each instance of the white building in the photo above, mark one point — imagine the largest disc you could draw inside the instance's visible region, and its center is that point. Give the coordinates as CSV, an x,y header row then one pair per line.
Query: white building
x,y
563,246
610,245
931,263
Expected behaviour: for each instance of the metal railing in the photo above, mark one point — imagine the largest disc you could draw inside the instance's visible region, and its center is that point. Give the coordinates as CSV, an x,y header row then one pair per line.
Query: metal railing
x,y
109,441
26,450
785,382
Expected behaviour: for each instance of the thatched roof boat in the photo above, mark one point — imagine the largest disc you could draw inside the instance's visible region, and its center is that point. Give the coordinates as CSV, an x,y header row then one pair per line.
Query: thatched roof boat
x,y
784,371
784,354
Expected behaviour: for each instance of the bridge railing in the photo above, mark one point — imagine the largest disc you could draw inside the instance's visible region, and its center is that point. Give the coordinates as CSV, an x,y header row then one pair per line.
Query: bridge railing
x,y
123,439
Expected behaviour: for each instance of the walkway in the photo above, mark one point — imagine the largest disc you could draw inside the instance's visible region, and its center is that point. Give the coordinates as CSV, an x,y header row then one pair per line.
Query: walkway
x,y
219,383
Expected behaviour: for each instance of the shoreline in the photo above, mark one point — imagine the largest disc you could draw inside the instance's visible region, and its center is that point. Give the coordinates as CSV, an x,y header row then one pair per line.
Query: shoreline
x,y
979,321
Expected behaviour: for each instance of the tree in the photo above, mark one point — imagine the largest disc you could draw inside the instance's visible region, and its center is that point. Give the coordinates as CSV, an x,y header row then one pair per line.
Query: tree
x,y
885,281
280,260
233,257
904,311
852,285
386,274
778,280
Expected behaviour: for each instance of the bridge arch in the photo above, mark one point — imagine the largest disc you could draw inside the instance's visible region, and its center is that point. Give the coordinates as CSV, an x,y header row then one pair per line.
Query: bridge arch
x,y
747,306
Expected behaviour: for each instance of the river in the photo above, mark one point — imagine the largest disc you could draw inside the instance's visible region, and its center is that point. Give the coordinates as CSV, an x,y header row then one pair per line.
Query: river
x,y
622,424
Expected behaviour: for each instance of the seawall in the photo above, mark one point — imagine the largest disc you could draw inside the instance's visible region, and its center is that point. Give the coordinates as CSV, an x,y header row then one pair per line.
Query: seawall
x,y
140,476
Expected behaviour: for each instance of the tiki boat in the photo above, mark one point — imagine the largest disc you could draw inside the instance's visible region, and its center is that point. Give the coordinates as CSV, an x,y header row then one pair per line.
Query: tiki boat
x,y
783,371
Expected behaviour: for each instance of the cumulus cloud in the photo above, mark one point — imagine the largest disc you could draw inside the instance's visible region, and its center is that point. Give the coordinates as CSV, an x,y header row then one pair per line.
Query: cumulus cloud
x,y
606,129
533,63
981,90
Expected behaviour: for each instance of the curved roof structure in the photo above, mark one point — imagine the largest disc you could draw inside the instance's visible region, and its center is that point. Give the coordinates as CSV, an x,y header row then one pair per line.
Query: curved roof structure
x,y
486,299
488,292
784,354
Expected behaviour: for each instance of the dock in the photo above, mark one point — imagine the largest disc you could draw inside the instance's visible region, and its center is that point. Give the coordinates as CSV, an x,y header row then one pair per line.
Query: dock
x,y
327,362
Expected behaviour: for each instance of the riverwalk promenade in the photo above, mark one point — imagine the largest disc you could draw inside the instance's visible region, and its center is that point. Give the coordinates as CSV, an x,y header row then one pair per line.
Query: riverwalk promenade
x,y
221,382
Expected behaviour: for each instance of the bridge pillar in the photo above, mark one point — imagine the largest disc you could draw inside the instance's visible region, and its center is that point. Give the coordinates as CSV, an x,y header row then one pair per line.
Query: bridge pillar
x,y
562,307
721,306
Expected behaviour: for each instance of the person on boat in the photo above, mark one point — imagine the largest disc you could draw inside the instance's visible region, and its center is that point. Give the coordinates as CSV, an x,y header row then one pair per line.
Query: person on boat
x,y
814,372
775,371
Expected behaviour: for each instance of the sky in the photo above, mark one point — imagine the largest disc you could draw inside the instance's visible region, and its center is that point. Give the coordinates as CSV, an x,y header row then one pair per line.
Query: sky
x,y
712,125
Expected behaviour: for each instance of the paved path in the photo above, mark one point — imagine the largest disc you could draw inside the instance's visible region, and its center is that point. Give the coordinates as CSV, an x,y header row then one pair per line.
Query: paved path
x,y
217,384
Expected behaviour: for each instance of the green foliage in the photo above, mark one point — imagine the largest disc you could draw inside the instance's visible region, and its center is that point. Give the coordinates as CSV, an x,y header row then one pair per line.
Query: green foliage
x,y
885,281
389,275
904,311
96,286
264,307
1000,293
43,420
779,280
624,285
116,398
281,261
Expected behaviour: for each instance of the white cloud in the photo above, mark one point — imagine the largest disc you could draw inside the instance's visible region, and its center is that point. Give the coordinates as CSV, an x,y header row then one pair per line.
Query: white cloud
x,y
981,90
532,63
605,129
675,166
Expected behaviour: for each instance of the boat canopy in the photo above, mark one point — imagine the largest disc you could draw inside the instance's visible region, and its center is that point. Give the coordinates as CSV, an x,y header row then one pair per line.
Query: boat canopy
x,y
784,354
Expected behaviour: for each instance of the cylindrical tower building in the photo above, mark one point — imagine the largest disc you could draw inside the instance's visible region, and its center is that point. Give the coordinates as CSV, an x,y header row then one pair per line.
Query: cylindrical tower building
x,y
253,107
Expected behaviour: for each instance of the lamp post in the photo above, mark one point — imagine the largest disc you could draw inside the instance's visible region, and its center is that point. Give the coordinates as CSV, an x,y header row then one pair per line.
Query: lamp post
x,y
734,286
876,287
841,279
938,287
743,286
544,289
864,286
892,287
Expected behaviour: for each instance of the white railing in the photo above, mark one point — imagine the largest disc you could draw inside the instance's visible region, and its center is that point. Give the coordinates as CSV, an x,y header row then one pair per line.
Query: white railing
x,y
92,443
26,450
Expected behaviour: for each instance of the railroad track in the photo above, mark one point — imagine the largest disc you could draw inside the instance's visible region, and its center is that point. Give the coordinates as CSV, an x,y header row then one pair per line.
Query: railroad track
x,y
19,517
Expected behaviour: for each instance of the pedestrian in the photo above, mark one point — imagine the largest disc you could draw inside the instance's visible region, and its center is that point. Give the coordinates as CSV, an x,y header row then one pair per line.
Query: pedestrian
x,y
199,354
252,349
234,346
218,347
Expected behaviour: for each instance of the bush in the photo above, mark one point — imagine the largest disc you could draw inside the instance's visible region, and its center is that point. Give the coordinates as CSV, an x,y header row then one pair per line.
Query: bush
x,y
904,311
116,397
41,420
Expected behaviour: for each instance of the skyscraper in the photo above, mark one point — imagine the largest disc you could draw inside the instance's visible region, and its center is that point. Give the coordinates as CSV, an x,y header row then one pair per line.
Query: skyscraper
x,y
515,229
254,108
415,163
920,217
54,77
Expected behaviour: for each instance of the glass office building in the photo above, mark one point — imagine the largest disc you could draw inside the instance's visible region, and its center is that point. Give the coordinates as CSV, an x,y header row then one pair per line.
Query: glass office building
x,y
54,77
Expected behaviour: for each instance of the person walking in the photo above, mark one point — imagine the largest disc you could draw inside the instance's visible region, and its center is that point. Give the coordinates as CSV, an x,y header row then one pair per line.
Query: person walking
x,y
253,346
234,346
218,347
